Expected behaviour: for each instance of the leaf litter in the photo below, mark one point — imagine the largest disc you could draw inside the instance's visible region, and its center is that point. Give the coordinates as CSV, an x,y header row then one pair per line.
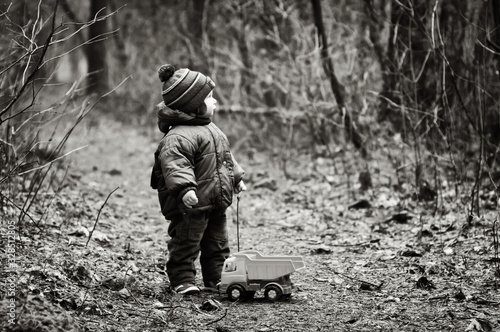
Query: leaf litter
x,y
376,259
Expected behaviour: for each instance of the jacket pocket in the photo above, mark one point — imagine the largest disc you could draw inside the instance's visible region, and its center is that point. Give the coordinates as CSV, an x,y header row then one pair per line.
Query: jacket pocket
x,y
156,172
154,179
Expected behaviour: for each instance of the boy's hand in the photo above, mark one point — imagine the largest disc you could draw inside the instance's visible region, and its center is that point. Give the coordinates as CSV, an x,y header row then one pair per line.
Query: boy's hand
x,y
189,199
240,187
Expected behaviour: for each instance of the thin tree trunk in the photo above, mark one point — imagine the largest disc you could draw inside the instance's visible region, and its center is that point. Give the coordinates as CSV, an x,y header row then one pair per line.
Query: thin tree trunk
x,y
240,35
375,11
495,13
197,31
337,88
96,51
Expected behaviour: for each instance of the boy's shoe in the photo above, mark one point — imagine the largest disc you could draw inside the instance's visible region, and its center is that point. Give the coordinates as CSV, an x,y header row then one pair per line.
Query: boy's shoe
x,y
212,286
187,289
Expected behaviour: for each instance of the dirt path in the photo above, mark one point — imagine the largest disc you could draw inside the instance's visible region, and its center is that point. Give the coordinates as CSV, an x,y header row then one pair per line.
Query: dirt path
x,y
365,271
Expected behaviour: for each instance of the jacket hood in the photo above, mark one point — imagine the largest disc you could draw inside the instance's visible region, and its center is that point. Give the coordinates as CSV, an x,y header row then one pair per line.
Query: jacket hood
x,y
168,117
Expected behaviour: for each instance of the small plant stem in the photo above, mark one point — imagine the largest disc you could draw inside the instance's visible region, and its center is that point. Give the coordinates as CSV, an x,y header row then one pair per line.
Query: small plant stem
x,y
98,214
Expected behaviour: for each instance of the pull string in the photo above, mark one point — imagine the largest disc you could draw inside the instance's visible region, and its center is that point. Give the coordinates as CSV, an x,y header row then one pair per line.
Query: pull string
x,y
238,220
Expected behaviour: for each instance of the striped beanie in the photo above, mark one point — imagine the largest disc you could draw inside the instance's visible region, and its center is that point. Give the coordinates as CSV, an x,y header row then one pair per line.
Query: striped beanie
x,y
184,89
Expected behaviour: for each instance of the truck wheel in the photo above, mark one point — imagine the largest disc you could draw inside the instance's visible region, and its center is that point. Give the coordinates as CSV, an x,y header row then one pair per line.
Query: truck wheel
x,y
273,293
235,292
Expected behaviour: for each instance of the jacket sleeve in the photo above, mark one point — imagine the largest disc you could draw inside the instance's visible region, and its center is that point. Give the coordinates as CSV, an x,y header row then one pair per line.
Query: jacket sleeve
x,y
177,163
237,171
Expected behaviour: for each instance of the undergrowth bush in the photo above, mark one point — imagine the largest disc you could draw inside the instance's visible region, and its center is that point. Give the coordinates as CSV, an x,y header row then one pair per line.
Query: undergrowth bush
x,y
38,113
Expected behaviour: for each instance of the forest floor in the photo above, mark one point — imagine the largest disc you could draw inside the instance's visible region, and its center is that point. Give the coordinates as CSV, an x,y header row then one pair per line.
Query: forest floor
x,y
376,259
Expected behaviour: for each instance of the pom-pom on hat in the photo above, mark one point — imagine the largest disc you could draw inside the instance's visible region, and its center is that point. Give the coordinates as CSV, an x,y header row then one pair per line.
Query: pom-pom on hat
x,y
184,89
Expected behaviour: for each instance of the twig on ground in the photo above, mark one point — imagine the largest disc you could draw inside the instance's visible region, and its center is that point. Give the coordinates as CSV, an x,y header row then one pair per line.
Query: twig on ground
x,y
359,280
136,313
150,315
218,319
170,307
125,285
98,214
85,296
496,246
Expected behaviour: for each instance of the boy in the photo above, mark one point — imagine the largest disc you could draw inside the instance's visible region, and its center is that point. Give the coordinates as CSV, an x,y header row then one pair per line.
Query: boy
x,y
196,176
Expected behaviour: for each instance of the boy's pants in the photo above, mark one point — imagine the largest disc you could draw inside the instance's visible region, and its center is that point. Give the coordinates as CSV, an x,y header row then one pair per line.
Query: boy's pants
x,y
206,232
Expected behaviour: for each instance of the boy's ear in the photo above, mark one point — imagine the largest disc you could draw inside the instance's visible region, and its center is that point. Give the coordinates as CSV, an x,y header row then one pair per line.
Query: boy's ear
x,y
202,110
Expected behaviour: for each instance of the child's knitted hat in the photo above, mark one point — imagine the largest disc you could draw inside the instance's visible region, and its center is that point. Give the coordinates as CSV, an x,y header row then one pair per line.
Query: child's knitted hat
x,y
184,89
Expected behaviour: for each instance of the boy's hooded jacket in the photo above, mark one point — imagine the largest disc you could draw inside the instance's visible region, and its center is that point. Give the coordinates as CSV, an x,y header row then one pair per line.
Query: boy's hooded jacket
x,y
193,155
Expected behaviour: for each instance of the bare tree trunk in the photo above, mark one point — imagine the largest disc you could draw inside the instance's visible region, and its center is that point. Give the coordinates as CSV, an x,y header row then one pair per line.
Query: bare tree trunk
x,y
196,23
121,53
337,88
495,28
240,35
96,50
197,32
375,24
493,42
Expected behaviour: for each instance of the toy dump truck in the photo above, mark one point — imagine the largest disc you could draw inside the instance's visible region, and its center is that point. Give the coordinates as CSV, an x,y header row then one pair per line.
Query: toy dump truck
x,y
246,272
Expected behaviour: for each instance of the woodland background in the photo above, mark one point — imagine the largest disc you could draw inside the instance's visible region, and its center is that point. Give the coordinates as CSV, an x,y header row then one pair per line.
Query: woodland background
x,y
401,95
303,73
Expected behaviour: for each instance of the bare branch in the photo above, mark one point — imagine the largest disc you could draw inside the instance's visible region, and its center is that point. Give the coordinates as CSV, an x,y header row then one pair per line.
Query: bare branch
x,y
53,161
98,214
32,75
88,42
8,8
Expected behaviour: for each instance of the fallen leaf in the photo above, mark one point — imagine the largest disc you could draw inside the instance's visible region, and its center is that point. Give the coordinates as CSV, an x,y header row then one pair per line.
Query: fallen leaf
x,y
68,304
266,183
460,296
124,293
158,305
210,305
92,309
114,283
337,280
432,268
392,299
321,250
424,283
362,204
479,324
400,218
351,321
55,274
410,253
81,231
100,237
115,172
448,251
384,201
81,273
367,286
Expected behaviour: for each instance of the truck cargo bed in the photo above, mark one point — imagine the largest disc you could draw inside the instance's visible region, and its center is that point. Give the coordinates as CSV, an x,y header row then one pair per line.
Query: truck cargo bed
x,y
269,267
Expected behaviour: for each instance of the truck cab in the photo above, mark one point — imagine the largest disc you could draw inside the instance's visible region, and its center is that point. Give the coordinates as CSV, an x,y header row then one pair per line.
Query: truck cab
x,y
234,270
